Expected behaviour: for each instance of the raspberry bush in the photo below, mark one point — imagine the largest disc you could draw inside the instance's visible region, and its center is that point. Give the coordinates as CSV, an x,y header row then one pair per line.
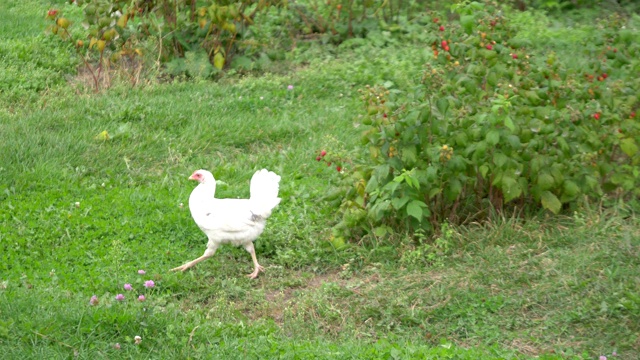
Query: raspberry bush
x,y
497,124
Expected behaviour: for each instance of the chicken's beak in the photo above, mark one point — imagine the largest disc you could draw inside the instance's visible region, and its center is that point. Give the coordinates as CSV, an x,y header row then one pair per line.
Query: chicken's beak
x,y
192,177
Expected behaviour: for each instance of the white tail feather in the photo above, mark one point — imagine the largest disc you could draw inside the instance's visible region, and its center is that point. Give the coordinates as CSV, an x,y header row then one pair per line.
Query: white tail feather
x,y
264,189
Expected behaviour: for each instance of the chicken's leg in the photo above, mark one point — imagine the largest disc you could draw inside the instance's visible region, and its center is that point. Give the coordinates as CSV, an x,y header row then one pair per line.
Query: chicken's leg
x,y
256,267
207,254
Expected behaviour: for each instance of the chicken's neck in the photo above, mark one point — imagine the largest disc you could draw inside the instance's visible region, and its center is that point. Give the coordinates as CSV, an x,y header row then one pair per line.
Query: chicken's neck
x,y
202,195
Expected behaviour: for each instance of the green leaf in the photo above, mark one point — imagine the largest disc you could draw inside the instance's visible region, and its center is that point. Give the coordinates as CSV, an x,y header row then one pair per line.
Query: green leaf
x,y
372,184
545,181
571,189
550,202
480,151
378,210
412,181
557,171
409,155
493,137
510,188
218,61
484,168
431,174
415,209
467,22
514,141
499,159
461,139
509,123
382,171
629,146
492,79
380,231
536,164
453,189
487,54
392,186
399,202
443,105
532,96
562,143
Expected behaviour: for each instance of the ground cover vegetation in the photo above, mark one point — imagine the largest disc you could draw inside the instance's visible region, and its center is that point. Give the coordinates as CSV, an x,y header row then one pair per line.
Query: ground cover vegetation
x,y
459,180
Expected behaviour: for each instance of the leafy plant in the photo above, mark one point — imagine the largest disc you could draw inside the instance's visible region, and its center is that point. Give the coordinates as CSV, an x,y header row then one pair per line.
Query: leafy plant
x,y
177,33
492,125
338,20
107,39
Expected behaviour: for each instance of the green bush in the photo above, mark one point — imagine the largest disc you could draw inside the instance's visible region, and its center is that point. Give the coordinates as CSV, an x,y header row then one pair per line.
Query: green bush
x,y
338,20
493,125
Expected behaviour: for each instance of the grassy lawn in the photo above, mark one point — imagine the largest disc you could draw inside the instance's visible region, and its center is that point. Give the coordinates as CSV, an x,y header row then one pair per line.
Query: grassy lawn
x,y
80,215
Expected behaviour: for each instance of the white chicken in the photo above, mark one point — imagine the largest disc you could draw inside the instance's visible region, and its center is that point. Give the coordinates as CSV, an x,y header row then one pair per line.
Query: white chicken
x,y
232,221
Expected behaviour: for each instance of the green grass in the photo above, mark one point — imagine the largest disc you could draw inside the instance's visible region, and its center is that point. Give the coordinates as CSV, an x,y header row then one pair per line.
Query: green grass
x,y
548,287
30,61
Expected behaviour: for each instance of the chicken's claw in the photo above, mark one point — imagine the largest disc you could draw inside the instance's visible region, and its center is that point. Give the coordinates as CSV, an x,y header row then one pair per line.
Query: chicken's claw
x,y
255,272
181,268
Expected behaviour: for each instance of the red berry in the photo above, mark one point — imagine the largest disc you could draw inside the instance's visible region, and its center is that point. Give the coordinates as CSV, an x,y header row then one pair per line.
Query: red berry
x,y
319,158
596,116
444,43
604,75
600,78
338,168
384,115
323,153
615,50
632,115
52,12
446,48
515,56
435,20
441,28
489,47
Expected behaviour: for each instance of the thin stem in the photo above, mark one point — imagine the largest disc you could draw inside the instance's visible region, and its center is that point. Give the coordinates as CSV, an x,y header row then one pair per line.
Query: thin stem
x,y
99,68
86,63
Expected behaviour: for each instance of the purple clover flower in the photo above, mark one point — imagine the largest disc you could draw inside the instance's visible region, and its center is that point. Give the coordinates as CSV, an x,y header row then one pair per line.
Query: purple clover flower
x,y
119,297
94,300
149,284
128,287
